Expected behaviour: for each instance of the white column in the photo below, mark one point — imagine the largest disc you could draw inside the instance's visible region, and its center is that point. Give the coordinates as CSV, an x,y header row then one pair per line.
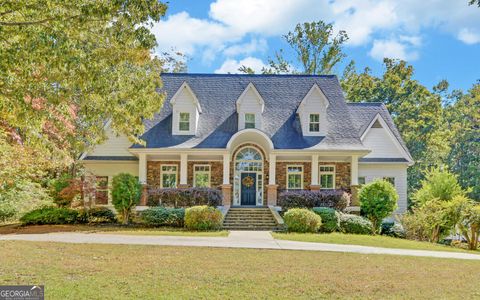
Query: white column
x,y
183,168
226,168
142,168
314,170
271,169
354,170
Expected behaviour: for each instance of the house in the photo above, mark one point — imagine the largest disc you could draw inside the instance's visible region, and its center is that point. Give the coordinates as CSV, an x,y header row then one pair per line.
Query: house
x,y
254,135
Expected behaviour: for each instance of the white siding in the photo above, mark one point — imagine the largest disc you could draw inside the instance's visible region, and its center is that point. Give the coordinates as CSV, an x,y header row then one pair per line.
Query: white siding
x,y
250,103
399,171
314,103
381,144
185,103
113,146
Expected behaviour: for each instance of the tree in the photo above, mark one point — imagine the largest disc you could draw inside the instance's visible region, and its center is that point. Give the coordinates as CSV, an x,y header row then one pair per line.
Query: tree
x,y
378,200
473,2
470,224
438,184
126,192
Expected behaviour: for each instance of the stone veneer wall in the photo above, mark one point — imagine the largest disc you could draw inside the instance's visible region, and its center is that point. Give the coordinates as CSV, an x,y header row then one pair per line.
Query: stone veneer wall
x,y
216,172
281,173
342,174
153,172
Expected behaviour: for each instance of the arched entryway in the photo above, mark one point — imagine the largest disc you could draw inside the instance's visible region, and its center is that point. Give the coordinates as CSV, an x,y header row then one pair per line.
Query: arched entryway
x,y
248,177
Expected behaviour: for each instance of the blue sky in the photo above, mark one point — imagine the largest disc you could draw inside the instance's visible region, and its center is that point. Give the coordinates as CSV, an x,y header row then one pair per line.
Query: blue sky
x,y
440,38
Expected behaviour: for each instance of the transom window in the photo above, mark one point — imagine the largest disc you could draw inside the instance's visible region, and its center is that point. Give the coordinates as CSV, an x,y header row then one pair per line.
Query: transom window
x,y
249,154
314,125
294,177
390,179
249,120
184,121
168,176
201,176
327,177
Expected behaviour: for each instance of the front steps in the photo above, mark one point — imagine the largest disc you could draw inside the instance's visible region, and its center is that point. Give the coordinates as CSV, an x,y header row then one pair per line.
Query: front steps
x,y
242,218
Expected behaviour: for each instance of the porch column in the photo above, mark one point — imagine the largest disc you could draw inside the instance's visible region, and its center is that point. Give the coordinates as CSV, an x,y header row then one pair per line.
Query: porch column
x,y
354,181
142,177
272,186
183,171
226,186
314,185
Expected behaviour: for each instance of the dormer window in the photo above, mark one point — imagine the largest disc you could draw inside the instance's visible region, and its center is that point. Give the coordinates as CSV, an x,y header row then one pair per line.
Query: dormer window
x,y
249,121
314,125
184,121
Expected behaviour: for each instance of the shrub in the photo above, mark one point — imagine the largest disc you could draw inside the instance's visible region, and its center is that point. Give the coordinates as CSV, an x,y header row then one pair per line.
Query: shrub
x,y
203,218
392,229
336,199
302,220
126,192
378,200
97,215
330,219
161,216
50,215
438,184
57,186
184,197
355,224
469,220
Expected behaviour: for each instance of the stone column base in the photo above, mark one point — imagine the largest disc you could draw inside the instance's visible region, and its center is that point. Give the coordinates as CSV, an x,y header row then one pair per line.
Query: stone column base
x,y
272,194
144,196
314,187
183,186
354,201
227,194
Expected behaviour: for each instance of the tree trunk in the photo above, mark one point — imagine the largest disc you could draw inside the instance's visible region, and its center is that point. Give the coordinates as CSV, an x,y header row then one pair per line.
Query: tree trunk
x,y
125,217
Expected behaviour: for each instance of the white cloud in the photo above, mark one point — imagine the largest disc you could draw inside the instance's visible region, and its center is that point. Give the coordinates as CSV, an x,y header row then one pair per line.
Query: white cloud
x,y
468,37
232,65
392,48
255,45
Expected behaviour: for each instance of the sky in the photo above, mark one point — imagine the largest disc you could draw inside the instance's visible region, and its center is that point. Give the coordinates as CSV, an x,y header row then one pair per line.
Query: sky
x,y
440,38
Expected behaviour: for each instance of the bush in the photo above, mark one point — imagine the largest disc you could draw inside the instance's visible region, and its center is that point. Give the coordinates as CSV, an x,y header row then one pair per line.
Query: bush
x,y
330,219
50,215
57,186
97,215
336,199
392,229
355,224
184,197
378,200
161,216
203,218
441,185
302,220
126,192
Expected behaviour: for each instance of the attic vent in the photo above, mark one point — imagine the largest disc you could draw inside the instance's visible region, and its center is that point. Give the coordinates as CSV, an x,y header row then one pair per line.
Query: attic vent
x,y
377,124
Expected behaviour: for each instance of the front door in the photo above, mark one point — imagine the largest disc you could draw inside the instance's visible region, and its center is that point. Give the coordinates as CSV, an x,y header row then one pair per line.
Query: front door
x,y
248,188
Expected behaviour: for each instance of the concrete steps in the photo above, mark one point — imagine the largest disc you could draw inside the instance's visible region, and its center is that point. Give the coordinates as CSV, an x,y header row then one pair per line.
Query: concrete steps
x,y
250,219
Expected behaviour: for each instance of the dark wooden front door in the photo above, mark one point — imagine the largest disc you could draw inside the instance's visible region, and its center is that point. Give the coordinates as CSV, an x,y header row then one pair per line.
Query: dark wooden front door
x,y
249,188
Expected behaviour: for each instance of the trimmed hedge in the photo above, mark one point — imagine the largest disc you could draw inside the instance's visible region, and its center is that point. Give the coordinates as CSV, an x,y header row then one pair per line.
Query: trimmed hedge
x,y
355,224
330,219
50,215
161,216
97,215
302,220
203,218
184,197
336,199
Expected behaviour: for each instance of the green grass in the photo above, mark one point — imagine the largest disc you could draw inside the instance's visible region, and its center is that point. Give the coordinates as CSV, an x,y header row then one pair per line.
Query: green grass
x,y
365,240
93,271
169,232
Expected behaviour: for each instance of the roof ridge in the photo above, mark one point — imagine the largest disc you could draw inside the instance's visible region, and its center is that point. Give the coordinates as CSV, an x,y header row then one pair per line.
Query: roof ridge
x,y
246,75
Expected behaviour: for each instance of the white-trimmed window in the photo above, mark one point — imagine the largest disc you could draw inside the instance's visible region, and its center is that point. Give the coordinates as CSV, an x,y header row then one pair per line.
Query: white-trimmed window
x,y
201,175
168,176
294,177
184,121
327,177
362,180
390,179
249,121
314,124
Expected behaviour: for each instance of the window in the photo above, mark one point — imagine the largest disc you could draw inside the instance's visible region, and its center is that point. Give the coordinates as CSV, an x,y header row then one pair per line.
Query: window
x,y
294,177
184,123
327,177
361,180
201,176
249,120
101,191
168,176
390,179
314,125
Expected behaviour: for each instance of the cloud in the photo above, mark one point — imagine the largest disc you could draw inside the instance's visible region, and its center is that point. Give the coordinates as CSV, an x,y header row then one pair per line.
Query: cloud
x,y
468,37
393,48
255,45
232,65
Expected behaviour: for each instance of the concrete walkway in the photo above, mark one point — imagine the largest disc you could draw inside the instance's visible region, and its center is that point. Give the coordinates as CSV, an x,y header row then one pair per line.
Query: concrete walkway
x,y
236,239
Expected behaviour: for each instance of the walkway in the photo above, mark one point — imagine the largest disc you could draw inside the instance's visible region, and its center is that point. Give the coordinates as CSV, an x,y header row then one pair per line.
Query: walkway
x,y
236,239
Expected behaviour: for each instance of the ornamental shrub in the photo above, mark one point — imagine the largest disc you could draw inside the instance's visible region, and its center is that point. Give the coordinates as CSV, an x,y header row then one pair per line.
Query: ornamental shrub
x,y
337,199
302,220
50,215
161,216
330,219
438,184
378,200
203,218
355,224
392,229
96,215
184,197
57,186
126,192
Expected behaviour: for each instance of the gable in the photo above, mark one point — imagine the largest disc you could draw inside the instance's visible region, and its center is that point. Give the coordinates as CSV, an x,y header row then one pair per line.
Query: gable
x,y
186,98
250,100
113,146
314,102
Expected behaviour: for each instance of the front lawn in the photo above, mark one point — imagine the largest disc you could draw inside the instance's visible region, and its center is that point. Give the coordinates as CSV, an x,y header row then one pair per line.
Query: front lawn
x,y
80,271
365,240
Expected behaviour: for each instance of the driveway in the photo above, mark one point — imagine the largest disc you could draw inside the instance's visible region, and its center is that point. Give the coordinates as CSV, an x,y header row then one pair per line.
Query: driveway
x,y
236,239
